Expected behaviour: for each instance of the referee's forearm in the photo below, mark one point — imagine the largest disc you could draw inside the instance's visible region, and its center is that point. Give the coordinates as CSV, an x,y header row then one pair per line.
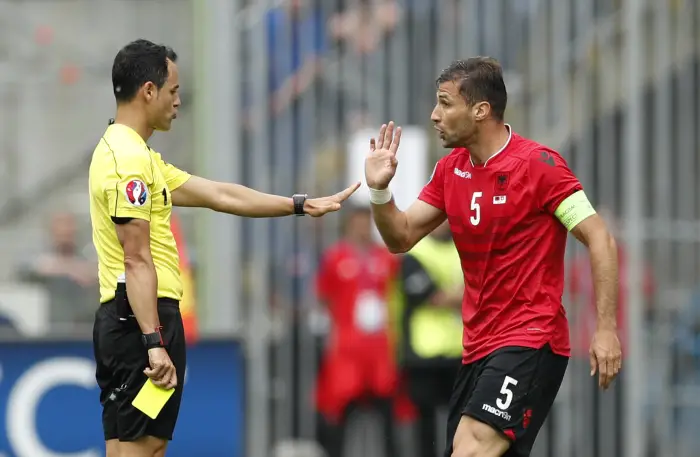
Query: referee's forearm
x,y
142,289
392,225
244,201
604,269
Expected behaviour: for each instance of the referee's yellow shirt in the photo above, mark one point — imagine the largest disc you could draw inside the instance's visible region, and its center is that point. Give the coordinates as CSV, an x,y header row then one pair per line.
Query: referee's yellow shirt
x,y
130,180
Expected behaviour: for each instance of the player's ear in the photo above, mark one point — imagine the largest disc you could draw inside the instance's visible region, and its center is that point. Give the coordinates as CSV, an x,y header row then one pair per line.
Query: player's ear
x,y
149,91
481,111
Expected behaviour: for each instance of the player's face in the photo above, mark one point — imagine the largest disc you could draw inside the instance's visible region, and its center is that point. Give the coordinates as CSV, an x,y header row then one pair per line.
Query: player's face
x,y
451,116
164,106
454,119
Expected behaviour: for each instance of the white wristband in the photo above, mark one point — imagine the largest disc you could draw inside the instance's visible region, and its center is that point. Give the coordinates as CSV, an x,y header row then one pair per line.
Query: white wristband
x,y
379,197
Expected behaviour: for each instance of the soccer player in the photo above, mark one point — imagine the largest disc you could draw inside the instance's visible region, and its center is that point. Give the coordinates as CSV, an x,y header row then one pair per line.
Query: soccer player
x,y
509,202
138,332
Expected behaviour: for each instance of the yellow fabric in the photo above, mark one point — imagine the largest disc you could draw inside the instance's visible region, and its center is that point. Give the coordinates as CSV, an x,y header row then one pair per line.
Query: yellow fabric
x,y
437,332
122,159
574,209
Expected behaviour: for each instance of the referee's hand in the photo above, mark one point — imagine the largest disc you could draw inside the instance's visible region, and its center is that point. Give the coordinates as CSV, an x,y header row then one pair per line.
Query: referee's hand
x,y
161,370
316,207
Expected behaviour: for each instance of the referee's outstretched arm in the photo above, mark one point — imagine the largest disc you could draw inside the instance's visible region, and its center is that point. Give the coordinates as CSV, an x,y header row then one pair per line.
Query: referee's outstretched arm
x,y
244,201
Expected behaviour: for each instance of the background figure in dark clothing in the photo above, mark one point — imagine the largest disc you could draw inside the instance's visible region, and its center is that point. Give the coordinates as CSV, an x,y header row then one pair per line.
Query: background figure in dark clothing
x,y
431,339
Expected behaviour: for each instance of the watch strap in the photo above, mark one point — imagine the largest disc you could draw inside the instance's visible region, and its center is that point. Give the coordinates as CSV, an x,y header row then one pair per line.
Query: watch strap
x,y
299,200
153,340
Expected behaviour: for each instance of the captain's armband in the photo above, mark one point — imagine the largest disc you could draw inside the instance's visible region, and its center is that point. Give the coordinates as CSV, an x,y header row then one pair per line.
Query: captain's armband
x,y
574,209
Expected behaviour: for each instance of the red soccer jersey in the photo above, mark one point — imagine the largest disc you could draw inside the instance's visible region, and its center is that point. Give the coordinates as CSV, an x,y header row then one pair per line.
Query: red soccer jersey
x,y
511,246
355,286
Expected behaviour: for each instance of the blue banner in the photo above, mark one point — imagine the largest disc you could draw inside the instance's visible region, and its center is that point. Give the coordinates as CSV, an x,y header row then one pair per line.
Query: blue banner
x,y
50,402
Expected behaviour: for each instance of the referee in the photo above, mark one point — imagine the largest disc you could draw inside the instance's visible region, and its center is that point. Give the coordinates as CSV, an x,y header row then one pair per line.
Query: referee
x,y
138,332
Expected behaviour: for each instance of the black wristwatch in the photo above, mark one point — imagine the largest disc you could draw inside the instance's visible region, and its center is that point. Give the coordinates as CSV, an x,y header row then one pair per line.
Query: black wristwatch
x,y
299,200
153,340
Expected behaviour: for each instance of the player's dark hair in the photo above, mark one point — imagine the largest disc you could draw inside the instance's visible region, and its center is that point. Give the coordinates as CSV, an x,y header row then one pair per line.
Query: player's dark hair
x,y
480,79
136,64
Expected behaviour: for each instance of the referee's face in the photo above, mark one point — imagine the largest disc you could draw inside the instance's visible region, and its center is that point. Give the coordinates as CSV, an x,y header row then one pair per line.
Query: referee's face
x,y
167,102
452,117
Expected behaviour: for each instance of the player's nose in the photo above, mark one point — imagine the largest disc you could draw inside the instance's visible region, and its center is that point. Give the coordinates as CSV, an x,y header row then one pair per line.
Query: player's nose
x,y
434,116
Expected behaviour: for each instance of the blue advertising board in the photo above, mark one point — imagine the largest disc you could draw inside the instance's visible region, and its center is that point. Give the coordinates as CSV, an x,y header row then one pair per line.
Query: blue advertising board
x,y
49,401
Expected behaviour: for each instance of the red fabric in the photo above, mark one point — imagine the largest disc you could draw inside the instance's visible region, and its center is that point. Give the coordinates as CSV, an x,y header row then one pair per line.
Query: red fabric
x,y
582,293
356,363
510,244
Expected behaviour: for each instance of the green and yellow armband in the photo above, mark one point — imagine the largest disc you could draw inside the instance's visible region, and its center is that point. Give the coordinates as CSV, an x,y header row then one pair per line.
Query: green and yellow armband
x,y
574,209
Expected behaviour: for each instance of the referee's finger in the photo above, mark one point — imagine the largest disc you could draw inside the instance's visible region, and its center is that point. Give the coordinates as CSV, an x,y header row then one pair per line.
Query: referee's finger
x,y
345,194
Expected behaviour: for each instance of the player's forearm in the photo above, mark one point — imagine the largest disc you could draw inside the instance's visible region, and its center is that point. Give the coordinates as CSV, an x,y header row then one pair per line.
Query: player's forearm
x,y
247,202
604,267
393,227
142,289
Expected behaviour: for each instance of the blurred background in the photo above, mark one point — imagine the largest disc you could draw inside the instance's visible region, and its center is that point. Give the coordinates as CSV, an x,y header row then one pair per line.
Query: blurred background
x,y
296,325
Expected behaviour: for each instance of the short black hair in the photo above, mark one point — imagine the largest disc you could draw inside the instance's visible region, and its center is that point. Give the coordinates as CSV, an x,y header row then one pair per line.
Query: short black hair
x,y
136,64
480,79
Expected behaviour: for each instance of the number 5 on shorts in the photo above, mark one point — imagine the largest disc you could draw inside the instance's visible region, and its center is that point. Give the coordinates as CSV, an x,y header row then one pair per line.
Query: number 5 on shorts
x,y
504,404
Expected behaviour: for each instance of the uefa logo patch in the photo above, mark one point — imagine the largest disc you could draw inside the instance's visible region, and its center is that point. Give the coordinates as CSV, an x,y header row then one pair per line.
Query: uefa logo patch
x,y
136,192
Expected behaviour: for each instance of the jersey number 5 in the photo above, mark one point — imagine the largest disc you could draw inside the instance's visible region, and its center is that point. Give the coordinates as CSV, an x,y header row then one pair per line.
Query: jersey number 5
x,y
505,390
476,208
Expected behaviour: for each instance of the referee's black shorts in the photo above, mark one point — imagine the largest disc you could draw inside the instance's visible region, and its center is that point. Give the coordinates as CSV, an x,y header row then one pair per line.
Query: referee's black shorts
x,y
121,358
512,390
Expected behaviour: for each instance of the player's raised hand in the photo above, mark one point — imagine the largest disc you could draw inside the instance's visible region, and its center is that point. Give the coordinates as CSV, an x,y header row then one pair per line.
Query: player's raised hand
x,y
316,207
381,162
606,356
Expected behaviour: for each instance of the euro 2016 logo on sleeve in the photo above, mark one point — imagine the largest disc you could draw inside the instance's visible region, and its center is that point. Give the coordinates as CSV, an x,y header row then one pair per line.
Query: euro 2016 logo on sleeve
x,y
136,192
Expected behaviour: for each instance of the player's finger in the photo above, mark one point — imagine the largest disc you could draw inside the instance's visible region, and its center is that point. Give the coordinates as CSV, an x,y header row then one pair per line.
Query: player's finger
x,y
394,148
380,138
594,362
372,145
340,197
603,370
389,135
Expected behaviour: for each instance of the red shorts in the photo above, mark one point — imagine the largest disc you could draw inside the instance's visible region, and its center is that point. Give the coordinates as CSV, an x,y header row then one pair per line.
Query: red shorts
x,y
351,375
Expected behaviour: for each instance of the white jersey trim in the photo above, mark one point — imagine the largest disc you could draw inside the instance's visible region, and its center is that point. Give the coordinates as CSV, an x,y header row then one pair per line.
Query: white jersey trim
x,y
510,136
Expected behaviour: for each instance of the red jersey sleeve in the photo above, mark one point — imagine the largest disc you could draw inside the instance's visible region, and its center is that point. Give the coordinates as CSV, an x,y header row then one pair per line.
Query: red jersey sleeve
x,y
552,179
433,193
324,277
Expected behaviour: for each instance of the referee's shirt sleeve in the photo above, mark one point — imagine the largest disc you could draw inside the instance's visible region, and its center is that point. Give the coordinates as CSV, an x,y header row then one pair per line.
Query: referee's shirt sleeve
x,y
174,177
129,192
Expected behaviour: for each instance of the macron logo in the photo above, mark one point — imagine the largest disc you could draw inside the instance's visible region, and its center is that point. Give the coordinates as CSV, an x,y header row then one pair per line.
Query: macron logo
x,y
496,412
463,174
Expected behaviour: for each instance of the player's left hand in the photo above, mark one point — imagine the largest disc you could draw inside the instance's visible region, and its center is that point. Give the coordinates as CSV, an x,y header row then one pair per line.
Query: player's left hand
x,y
606,356
316,207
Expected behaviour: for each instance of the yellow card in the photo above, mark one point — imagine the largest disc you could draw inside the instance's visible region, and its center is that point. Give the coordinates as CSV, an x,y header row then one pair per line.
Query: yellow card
x,y
151,399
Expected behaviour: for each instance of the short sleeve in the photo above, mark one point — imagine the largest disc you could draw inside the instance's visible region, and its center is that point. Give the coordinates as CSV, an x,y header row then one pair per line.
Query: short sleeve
x,y
174,177
324,278
129,195
552,179
433,192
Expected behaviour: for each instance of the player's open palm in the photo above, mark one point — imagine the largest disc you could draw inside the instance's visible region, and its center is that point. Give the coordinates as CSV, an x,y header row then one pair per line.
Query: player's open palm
x,y
316,207
606,356
381,162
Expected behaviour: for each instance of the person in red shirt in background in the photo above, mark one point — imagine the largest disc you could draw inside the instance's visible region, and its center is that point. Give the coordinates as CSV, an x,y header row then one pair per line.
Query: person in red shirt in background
x,y
358,367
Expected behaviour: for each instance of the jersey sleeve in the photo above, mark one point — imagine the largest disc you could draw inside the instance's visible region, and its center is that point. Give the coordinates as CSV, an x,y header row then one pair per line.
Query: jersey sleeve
x,y
552,179
433,193
174,177
324,277
129,193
